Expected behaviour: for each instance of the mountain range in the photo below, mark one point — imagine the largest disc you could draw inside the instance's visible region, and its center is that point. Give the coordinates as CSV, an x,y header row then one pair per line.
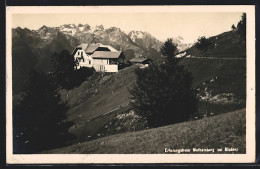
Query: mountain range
x,y
33,48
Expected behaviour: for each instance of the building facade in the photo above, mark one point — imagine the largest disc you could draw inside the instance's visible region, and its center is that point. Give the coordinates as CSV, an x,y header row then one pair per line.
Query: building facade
x,y
102,58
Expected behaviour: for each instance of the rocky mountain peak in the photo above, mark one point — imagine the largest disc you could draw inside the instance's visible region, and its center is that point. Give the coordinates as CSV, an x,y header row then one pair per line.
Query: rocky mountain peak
x,y
138,34
99,27
69,26
44,27
114,29
181,44
144,39
18,28
21,32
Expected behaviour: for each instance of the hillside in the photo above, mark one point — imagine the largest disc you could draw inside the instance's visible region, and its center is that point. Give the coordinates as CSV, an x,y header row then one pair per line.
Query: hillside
x,y
97,97
218,75
226,130
225,45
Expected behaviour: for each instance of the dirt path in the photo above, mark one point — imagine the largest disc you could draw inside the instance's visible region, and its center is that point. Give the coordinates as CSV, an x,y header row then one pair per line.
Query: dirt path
x,y
195,57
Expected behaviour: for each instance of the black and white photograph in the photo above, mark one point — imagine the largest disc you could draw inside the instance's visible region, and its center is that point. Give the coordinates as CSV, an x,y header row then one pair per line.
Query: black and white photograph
x,y
130,84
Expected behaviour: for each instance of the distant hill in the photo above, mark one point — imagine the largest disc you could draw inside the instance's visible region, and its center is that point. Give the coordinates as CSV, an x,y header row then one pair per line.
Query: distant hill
x,y
225,45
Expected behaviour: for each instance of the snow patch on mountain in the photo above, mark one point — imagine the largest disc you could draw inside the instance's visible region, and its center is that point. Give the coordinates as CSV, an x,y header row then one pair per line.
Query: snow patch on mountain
x,y
145,40
139,35
81,29
182,44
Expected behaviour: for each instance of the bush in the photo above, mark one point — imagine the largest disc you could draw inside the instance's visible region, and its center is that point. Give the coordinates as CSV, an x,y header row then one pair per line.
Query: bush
x,y
162,93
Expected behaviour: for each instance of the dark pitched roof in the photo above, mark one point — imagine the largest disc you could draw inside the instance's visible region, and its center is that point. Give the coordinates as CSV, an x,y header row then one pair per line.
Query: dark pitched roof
x,y
139,60
91,48
83,46
106,54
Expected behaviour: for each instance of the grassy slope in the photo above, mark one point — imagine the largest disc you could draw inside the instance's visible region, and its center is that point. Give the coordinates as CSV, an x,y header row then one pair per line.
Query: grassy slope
x,y
97,97
231,74
227,45
226,130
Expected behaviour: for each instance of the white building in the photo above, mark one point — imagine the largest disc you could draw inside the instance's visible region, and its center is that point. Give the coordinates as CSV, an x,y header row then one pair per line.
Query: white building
x,y
102,58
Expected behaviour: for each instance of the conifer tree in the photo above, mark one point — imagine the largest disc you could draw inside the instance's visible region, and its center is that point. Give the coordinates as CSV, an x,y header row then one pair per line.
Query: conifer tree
x,y
62,67
163,93
63,73
241,26
233,27
39,117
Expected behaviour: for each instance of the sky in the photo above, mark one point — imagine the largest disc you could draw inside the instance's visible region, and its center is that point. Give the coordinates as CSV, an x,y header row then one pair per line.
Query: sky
x,y
162,25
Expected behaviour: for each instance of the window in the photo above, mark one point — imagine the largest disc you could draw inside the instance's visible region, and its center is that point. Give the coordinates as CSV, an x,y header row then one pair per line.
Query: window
x,y
89,62
78,53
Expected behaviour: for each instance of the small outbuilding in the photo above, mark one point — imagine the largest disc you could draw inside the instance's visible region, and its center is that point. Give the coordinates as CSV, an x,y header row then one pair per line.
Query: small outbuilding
x,y
141,61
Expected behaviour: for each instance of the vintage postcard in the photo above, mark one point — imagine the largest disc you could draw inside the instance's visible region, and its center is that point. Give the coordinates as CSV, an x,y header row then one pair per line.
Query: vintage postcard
x,y
130,84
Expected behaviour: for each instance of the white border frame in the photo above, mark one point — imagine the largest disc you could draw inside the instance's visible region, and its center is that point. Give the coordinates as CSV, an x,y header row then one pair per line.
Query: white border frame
x,y
137,158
